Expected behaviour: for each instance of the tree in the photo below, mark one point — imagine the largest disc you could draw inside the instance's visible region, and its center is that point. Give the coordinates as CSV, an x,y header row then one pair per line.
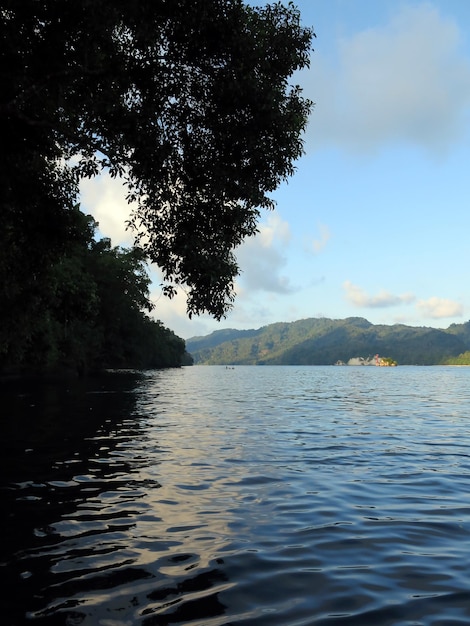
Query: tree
x,y
461,359
188,100
89,312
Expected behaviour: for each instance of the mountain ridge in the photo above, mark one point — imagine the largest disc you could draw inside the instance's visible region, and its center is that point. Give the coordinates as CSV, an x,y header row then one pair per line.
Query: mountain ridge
x,y
325,341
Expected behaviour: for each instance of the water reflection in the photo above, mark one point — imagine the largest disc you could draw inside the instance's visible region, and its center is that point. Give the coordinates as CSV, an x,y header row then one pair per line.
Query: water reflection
x,y
59,461
256,496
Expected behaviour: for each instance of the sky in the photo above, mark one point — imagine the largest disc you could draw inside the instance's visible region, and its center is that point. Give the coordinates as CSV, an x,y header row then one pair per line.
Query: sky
x,y
375,222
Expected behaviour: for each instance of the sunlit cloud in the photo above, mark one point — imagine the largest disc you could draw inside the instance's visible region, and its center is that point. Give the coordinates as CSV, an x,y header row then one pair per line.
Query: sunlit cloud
x,y
358,297
406,80
272,230
105,199
437,308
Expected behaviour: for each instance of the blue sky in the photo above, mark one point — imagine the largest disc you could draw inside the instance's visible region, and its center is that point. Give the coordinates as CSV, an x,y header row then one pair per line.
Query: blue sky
x,y
375,222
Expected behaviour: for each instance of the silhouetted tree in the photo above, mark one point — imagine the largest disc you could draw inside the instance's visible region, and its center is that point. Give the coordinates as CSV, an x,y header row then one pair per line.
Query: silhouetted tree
x,y
187,100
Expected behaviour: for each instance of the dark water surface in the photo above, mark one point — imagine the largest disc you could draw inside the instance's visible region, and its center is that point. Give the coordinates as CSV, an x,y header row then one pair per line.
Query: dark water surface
x,y
256,495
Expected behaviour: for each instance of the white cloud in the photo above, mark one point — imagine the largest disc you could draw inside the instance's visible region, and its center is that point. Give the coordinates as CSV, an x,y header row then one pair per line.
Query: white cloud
x,y
259,257
357,296
405,80
105,199
437,308
274,229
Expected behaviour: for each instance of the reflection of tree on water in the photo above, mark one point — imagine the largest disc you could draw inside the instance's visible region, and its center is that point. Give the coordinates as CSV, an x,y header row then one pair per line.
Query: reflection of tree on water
x,y
59,460
83,540
51,421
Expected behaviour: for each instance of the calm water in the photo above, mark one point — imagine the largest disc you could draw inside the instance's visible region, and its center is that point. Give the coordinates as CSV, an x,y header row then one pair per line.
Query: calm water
x,y
256,495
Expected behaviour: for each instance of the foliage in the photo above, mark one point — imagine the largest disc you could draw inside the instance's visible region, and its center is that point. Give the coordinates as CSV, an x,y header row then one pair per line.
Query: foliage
x,y
324,342
461,359
88,311
461,330
188,100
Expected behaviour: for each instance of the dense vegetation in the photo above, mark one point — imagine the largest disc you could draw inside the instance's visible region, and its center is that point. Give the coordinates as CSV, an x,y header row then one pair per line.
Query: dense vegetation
x,y
84,310
461,359
189,101
326,341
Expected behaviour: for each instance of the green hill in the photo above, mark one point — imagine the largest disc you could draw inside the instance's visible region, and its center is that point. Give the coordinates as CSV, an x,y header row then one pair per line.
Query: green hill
x,y
322,341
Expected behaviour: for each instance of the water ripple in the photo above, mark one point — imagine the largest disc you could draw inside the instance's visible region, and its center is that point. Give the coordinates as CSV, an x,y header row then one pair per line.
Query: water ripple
x,y
256,496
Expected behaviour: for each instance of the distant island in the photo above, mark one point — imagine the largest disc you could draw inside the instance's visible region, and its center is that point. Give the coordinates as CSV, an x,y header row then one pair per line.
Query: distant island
x,y
323,341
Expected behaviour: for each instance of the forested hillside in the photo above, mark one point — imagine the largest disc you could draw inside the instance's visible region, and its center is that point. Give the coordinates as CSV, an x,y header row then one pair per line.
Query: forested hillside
x,y
326,341
82,308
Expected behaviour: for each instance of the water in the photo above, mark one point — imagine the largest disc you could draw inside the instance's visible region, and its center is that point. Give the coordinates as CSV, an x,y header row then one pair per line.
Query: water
x,y
209,496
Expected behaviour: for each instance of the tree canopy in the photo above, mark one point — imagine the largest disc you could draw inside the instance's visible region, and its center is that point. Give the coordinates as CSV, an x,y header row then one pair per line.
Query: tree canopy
x,y
86,311
188,101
